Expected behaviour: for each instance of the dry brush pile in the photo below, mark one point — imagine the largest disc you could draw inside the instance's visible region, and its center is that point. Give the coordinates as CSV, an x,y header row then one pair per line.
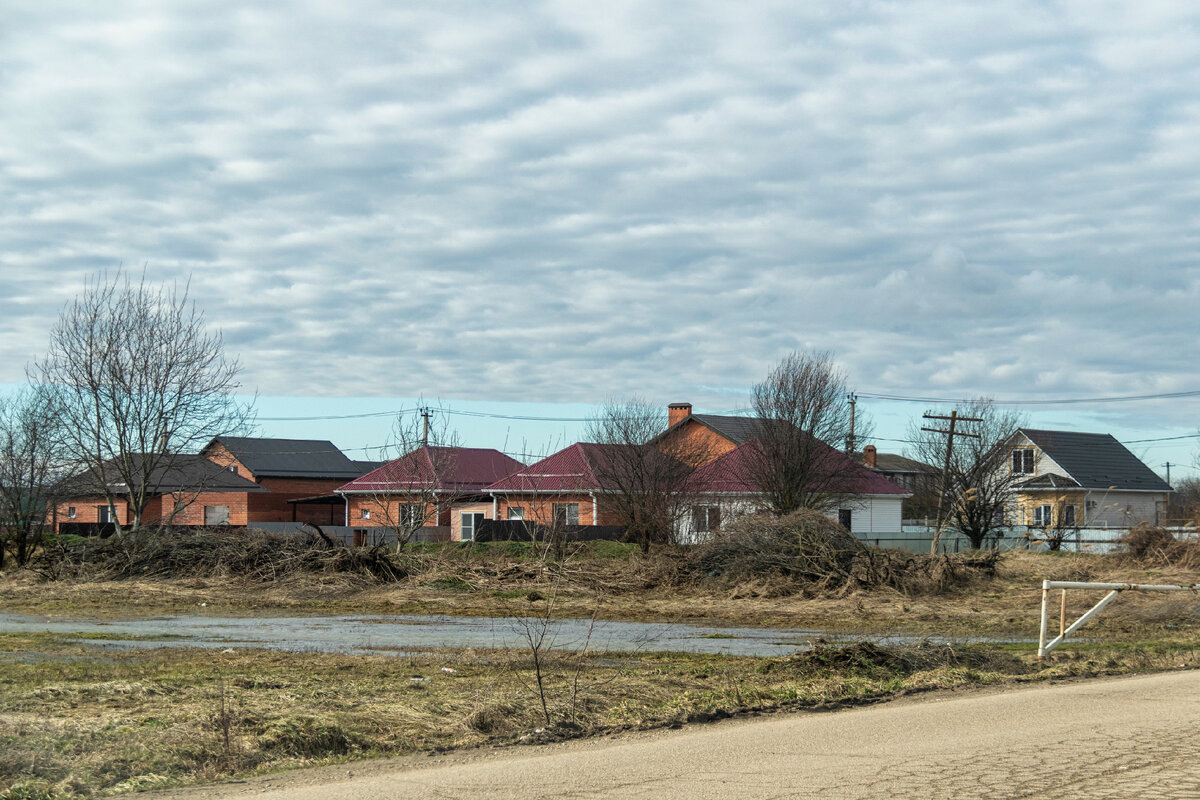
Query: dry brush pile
x,y
807,553
213,553
802,554
1151,545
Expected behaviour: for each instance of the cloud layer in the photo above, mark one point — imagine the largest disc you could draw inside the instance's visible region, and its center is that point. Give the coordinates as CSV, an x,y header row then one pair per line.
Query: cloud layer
x,y
561,202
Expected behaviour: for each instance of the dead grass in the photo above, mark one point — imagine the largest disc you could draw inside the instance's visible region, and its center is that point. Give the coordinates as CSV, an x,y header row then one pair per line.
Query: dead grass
x,y
1002,599
77,724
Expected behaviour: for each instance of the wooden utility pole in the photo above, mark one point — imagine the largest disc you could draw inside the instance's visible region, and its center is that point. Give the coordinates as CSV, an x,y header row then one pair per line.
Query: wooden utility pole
x,y
850,439
953,419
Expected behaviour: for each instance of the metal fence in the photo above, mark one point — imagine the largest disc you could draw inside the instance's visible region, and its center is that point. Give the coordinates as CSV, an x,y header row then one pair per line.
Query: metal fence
x,y
919,539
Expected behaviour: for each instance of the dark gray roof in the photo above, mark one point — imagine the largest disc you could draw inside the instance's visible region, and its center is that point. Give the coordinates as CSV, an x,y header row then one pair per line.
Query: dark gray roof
x,y
186,473
738,430
1096,460
291,458
890,462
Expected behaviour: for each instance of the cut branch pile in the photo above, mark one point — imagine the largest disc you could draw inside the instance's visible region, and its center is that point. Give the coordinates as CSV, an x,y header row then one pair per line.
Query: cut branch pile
x,y
207,553
1150,544
806,552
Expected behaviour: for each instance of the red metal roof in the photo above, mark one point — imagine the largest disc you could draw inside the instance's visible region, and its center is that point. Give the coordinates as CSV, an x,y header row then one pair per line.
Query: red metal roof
x,y
733,472
573,469
448,469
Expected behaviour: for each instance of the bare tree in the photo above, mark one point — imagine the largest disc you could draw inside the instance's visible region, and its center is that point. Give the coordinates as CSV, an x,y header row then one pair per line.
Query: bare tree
x,y
805,418
32,466
409,492
137,378
1059,523
977,480
1185,501
647,479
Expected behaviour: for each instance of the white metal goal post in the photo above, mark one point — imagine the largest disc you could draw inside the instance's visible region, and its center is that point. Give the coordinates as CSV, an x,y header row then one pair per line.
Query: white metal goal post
x,y
1114,589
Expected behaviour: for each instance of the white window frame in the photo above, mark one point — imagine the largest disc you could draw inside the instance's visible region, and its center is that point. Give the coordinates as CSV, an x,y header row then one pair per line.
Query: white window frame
x,y
567,511
475,517
1043,516
516,513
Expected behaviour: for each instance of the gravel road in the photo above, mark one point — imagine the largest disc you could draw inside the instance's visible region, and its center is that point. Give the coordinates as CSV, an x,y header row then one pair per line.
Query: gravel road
x,y
1127,738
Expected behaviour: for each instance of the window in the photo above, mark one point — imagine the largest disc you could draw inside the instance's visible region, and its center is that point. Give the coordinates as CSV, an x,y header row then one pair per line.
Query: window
x,y
706,519
410,515
103,515
1043,516
470,525
516,512
844,518
566,513
216,515
364,513
1022,461
1068,515
70,512
233,469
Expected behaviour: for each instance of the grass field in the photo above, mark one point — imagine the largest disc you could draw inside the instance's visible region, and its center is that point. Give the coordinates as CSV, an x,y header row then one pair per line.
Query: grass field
x,y
77,721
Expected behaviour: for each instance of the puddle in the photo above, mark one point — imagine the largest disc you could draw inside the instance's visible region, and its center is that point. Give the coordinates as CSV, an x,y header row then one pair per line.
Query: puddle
x,y
406,634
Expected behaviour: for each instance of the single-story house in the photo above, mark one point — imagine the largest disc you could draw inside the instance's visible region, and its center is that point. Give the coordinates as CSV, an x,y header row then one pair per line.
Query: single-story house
x,y
300,476
725,489
567,488
189,490
430,487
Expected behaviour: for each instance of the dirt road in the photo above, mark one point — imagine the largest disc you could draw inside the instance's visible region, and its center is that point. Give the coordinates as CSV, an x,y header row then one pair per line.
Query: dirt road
x,y
1127,738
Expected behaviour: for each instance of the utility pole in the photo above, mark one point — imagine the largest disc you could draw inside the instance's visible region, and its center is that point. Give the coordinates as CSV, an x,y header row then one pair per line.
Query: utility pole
x,y
425,427
853,398
1168,466
953,419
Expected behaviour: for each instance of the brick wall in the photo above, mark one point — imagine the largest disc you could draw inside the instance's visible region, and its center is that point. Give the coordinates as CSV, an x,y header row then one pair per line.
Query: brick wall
x,y
274,507
218,454
696,444
86,511
540,508
192,512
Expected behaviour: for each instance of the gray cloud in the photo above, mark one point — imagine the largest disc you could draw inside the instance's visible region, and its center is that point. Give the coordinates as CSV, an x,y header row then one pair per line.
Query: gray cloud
x,y
559,203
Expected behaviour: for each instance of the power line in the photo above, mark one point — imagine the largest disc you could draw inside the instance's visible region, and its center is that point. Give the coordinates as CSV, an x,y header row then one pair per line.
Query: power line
x,y
1057,402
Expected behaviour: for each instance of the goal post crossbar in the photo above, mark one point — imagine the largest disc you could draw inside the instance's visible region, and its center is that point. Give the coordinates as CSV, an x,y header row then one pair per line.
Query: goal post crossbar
x,y
1114,590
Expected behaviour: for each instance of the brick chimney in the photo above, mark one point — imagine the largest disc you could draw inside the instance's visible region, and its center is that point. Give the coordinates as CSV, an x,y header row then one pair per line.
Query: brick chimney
x,y
677,412
869,456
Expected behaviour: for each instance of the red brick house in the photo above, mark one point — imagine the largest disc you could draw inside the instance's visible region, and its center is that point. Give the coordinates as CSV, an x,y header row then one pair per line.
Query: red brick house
x,y
567,487
191,490
430,487
300,476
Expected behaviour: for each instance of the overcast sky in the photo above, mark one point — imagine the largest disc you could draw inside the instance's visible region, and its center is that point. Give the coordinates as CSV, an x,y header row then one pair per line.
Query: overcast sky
x,y
561,202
